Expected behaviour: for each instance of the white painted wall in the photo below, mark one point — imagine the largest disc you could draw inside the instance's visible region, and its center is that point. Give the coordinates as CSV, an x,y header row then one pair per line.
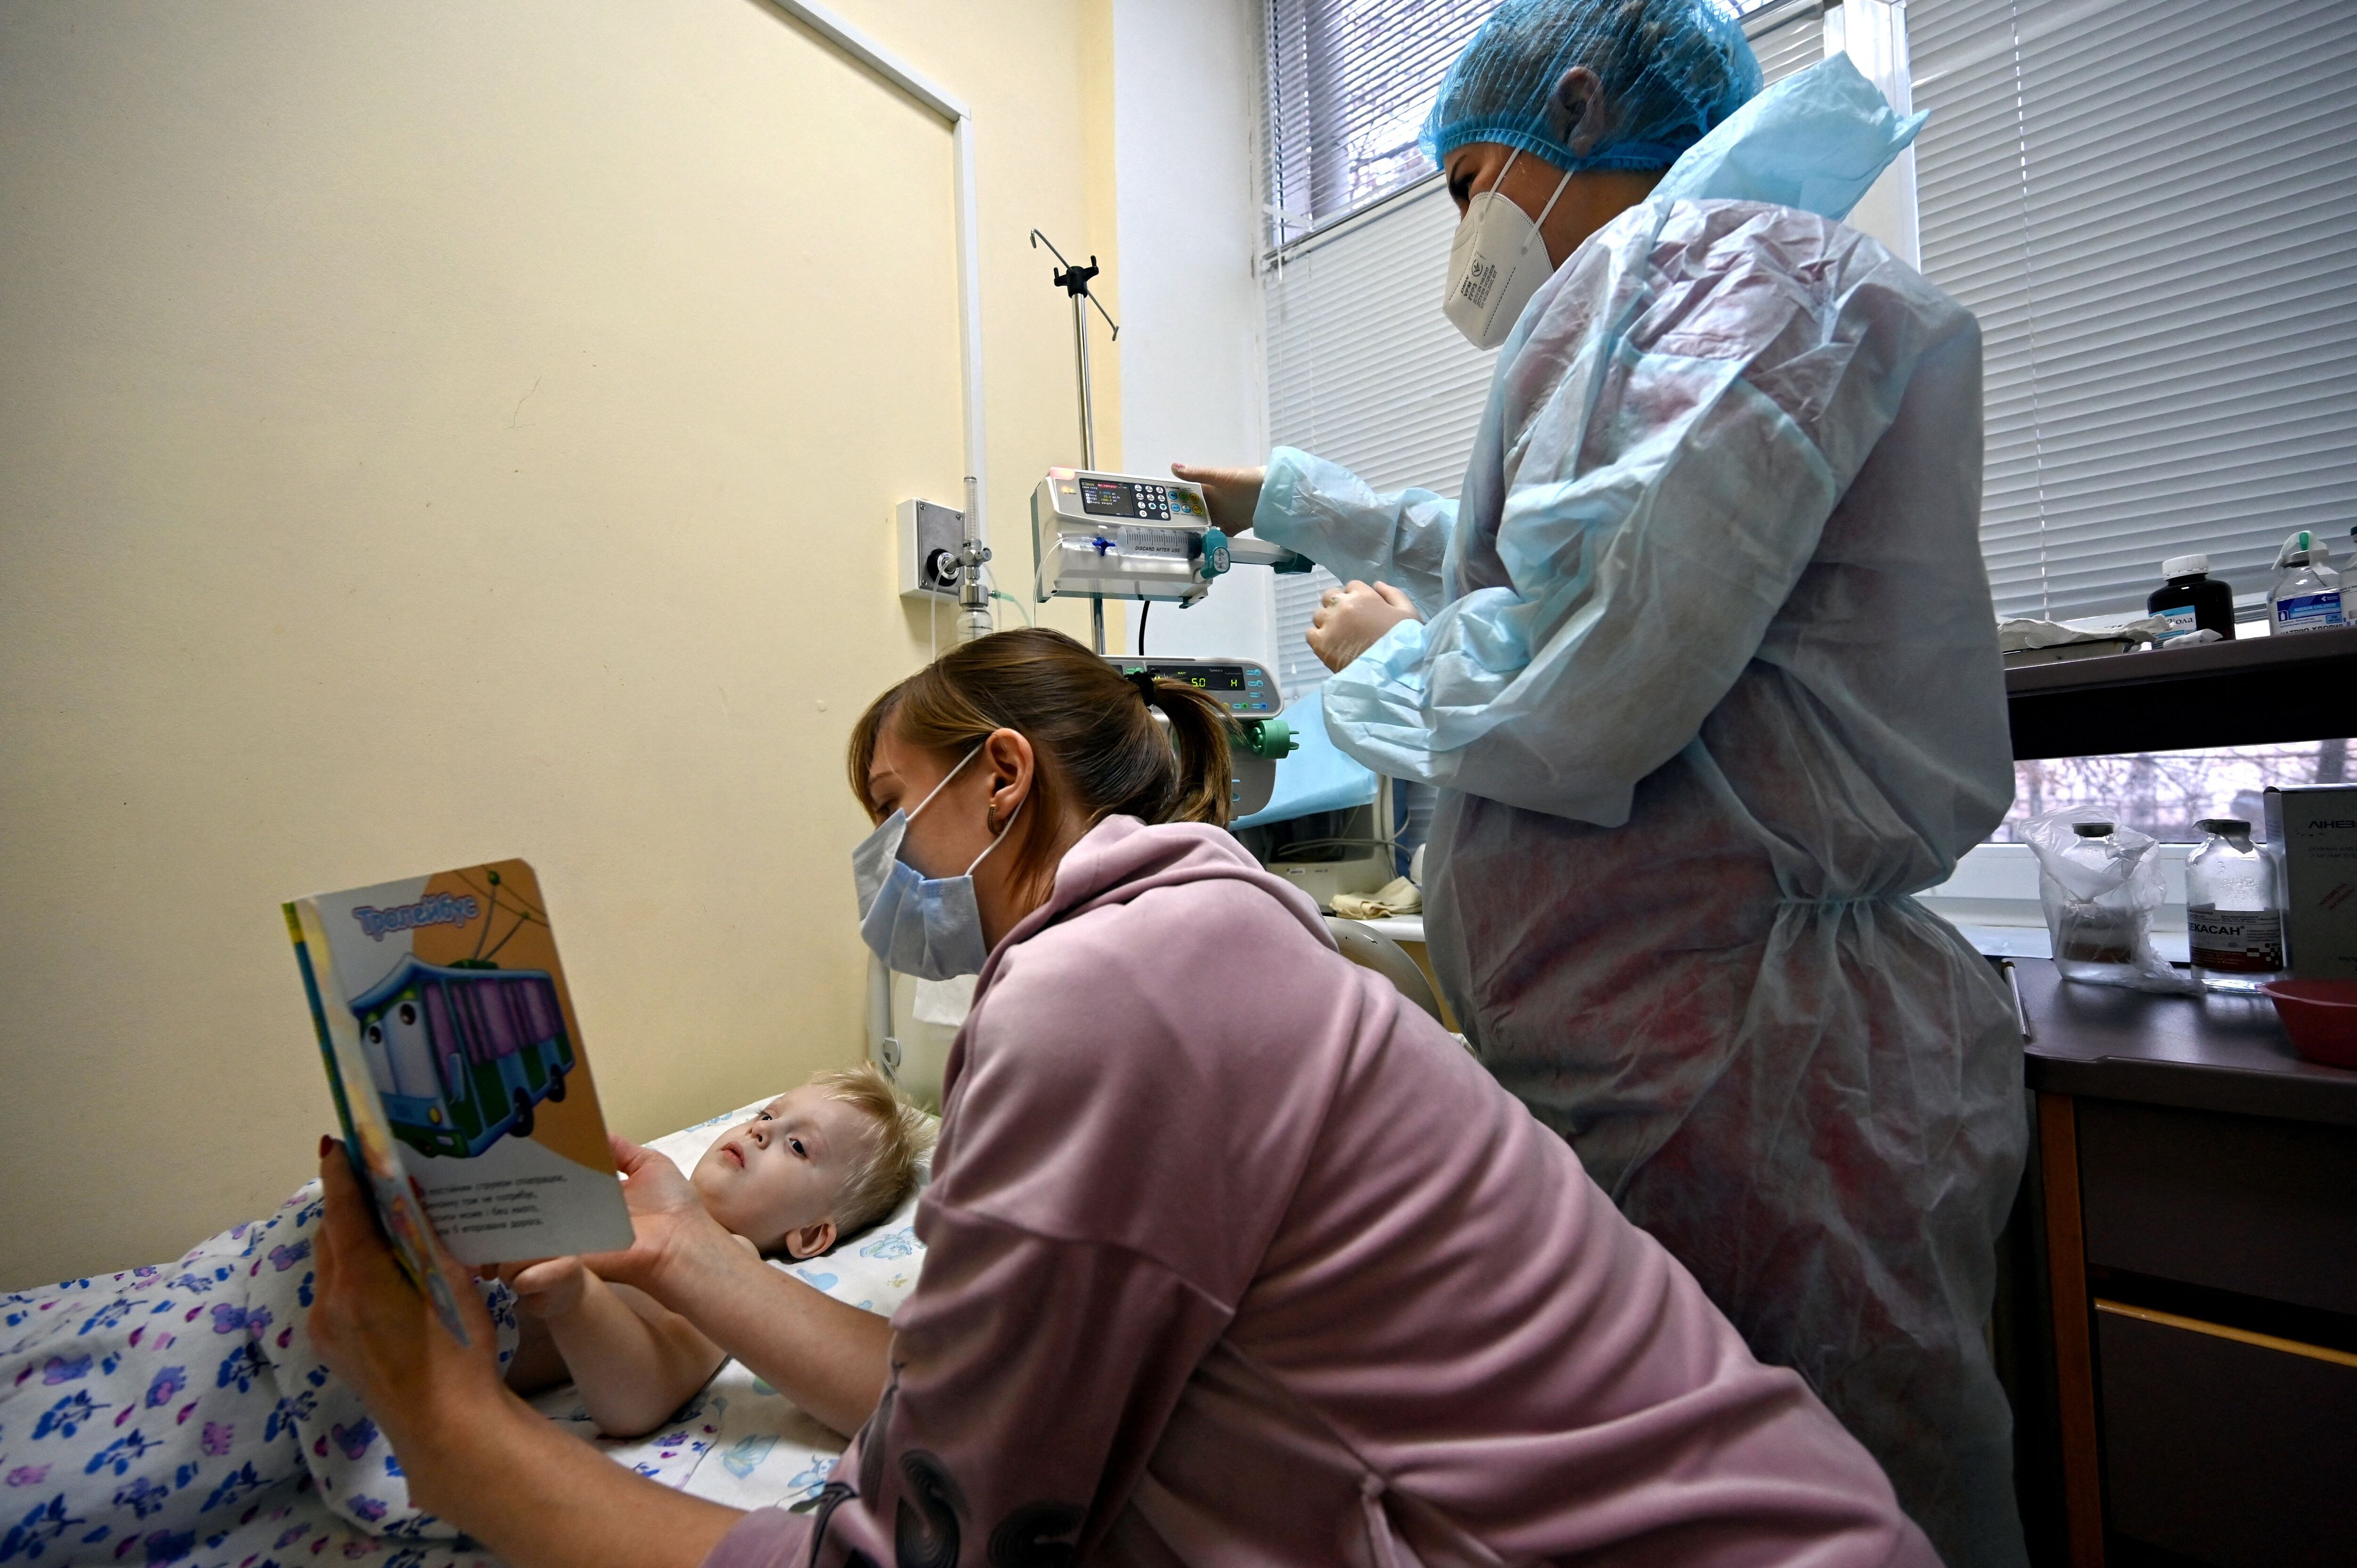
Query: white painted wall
x,y
1187,78
440,431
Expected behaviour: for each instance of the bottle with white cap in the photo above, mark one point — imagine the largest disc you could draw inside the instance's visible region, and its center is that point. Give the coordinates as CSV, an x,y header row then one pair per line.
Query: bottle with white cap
x,y
2192,599
2305,596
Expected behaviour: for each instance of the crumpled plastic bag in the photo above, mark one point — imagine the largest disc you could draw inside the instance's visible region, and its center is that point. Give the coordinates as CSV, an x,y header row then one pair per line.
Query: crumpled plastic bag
x,y
2099,894
1397,897
2014,636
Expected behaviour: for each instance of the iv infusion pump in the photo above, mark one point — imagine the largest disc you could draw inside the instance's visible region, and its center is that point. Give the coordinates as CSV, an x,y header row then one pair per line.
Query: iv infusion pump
x,y
1126,536
1249,691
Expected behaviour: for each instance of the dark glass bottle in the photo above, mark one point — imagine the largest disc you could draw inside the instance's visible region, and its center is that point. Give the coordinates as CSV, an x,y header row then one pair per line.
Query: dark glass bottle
x,y
2192,599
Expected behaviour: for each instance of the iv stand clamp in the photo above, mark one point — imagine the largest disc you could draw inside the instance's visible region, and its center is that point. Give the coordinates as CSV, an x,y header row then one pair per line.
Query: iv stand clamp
x,y
1074,281
1099,535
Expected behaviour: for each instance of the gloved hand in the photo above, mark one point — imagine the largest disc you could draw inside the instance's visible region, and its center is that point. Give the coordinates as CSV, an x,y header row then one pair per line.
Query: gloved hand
x,y
1353,619
1233,493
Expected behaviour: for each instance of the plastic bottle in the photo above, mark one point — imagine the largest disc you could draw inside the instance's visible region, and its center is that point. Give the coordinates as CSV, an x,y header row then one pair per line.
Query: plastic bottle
x,y
2232,922
2192,599
2305,597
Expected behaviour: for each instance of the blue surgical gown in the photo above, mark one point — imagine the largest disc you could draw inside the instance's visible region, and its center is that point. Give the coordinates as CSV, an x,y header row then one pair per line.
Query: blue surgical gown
x,y
1710,683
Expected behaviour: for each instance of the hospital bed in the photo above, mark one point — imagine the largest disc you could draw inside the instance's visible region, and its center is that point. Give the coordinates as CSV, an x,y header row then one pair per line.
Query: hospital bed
x,y
93,1370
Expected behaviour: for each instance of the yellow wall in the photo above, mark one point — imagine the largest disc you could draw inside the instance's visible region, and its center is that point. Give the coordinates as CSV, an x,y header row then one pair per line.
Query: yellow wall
x,y
437,432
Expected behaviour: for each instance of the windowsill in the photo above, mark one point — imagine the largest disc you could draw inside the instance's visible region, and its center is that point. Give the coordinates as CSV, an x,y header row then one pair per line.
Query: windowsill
x,y
1997,938
2034,941
1992,899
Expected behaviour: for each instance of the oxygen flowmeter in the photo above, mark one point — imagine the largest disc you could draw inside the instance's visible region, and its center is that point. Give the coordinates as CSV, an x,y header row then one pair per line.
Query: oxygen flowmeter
x,y
1130,536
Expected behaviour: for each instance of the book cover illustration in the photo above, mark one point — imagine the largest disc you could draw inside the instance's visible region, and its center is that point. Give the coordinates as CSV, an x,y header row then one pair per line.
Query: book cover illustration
x,y
458,1069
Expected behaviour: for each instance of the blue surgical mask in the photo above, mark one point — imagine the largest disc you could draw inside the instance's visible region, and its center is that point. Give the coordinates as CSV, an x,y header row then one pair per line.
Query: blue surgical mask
x,y
929,926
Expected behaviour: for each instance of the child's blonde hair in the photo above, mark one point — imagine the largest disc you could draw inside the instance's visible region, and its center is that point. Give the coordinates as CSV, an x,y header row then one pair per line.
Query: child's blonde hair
x,y
899,1137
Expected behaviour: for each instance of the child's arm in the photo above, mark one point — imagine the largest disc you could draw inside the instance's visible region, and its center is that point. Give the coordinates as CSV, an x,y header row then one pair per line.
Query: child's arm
x,y
634,1361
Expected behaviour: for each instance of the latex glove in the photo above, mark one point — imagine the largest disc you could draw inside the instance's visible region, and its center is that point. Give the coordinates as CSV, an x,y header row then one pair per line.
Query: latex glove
x,y
1353,619
1233,493
1397,897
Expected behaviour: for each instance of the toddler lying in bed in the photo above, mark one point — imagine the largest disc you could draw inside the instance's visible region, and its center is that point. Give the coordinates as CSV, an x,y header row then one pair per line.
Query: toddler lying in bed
x,y
160,1410
823,1161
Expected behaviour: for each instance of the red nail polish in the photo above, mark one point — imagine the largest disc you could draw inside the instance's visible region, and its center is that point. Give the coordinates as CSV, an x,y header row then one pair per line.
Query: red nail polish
x,y
326,1142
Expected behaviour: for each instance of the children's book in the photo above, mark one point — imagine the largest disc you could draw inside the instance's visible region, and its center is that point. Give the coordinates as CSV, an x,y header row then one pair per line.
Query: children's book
x,y
458,1069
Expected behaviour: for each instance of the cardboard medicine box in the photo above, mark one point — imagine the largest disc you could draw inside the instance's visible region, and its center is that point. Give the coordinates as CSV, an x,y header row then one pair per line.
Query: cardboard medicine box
x,y
2312,833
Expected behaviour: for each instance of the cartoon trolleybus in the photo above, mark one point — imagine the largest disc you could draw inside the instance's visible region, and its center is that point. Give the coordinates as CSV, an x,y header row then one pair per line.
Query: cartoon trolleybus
x,y
460,1055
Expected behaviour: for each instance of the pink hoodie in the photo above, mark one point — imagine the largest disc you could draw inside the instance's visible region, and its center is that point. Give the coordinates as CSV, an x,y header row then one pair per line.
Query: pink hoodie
x,y
1233,1257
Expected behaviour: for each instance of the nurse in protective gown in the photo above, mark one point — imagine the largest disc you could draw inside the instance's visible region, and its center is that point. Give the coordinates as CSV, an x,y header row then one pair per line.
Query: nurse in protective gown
x,y
1704,665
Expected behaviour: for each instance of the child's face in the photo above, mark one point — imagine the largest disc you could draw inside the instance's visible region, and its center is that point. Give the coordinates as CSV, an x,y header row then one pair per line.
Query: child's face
x,y
774,1180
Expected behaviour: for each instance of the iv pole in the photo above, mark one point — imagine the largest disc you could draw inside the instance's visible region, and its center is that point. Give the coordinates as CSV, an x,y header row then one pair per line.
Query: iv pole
x,y
1074,281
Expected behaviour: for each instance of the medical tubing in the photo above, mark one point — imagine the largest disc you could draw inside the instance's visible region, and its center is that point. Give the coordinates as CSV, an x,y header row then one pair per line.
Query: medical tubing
x,y
1292,846
991,577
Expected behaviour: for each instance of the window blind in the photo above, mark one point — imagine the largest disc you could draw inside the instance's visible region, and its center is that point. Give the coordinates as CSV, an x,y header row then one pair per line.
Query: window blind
x,y
2151,205
1362,368
1349,82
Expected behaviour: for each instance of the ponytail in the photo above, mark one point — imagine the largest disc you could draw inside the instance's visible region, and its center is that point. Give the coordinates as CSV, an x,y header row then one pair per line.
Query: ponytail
x,y
1109,744
1200,726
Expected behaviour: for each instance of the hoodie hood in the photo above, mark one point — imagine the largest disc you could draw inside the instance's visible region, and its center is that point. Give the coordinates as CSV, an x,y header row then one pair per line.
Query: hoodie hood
x,y
1121,857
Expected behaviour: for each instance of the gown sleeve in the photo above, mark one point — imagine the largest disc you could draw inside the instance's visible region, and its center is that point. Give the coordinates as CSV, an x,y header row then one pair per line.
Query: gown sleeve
x,y
1664,487
1329,514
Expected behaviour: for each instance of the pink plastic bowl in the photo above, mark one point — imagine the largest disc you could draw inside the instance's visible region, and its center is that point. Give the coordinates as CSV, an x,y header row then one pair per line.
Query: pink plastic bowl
x,y
2320,1016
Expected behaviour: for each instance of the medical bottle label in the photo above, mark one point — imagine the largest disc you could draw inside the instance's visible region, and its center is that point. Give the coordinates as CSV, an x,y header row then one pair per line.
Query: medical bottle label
x,y
2235,942
2307,612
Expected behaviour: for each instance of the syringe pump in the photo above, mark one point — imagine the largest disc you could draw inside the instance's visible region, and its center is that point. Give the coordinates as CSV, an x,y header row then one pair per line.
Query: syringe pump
x,y
1248,690
1129,536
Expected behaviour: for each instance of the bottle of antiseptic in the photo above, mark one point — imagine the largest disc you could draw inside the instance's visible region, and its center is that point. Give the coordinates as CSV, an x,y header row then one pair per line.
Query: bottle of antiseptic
x,y
2231,917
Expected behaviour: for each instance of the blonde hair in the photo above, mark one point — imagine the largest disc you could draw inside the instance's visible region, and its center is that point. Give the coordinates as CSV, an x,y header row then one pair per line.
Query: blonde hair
x,y
899,1137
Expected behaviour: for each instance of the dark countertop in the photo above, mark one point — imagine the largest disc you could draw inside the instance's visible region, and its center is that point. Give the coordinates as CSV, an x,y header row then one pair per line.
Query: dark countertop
x,y
2202,1053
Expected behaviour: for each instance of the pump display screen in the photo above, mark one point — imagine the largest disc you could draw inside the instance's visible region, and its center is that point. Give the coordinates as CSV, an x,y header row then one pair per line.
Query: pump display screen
x,y
1233,684
1124,497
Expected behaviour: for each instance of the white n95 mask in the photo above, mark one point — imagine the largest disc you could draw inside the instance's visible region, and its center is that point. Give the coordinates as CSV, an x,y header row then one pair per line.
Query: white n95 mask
x,y
929,926
1496,263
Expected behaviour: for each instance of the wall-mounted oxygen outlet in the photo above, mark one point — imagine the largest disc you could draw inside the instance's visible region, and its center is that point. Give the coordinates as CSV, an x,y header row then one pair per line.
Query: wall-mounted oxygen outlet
x,y
930,537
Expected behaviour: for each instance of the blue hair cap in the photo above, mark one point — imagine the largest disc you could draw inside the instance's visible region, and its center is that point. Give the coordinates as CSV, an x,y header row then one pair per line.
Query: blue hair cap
x,y
1663,73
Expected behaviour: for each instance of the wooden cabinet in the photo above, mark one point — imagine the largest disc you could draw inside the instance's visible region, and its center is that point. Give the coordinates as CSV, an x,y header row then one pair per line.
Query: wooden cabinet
x,y
2191,1223
2229,1447
2256,1205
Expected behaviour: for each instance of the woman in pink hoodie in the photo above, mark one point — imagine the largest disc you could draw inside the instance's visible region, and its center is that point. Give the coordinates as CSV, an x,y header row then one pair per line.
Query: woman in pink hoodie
x,y
1232,1256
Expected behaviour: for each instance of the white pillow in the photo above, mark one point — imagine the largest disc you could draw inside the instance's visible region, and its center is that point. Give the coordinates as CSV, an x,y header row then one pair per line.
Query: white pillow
x,y
740,1442
874,1270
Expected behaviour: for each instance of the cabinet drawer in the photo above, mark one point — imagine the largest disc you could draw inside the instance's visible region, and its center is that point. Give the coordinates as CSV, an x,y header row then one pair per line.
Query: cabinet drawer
x,y
2240,1203
2228,1451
